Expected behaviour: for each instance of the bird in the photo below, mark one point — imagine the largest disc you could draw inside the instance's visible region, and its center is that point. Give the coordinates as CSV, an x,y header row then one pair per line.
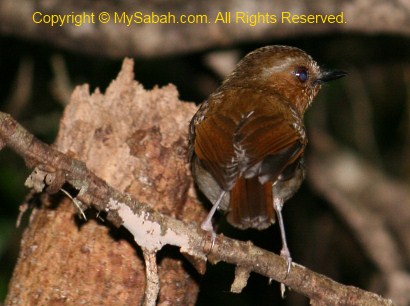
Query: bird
x,y
247,139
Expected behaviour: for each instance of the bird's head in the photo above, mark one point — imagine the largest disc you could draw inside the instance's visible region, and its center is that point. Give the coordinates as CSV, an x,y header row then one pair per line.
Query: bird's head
x,y
286,71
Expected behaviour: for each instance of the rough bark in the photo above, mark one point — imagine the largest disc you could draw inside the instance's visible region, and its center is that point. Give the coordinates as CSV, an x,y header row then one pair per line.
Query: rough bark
x,y
135,140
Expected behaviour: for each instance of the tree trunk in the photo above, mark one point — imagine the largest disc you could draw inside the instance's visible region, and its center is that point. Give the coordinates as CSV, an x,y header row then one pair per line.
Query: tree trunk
x,y
136,141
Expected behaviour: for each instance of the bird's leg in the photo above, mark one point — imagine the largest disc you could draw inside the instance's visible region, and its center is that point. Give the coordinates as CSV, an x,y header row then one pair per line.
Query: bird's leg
x,y
207,224
278,204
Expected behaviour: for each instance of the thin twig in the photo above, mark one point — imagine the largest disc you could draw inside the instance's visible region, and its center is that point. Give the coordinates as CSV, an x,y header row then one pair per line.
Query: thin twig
x,y
152,279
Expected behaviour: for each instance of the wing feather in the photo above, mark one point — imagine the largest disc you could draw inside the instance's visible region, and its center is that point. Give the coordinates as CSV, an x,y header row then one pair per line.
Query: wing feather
x,y
250,139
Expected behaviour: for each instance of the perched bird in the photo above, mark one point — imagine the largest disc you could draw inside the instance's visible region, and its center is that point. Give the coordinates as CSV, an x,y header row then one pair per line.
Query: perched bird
x,y
246,141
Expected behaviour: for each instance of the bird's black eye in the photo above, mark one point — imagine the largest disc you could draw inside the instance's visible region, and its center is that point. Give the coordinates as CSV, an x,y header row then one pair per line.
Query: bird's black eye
x,y
301,74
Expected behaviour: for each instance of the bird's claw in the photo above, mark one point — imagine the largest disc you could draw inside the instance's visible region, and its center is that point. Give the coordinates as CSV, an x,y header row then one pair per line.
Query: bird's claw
x,y
207,226
284,253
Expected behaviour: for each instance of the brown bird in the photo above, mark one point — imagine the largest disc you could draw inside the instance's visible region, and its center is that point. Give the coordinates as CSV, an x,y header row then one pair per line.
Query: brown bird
x,y
246,141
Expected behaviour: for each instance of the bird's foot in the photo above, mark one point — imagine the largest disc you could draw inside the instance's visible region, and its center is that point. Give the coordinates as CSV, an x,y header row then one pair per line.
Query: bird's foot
x,y
285,254
207,226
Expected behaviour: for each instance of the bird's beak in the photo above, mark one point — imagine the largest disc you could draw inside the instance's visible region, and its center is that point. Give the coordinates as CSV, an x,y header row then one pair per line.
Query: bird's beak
x,y
330,75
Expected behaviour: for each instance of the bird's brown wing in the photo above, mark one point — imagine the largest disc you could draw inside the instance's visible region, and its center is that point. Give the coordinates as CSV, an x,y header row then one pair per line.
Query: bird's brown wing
x,y
258,142
271,145
213,147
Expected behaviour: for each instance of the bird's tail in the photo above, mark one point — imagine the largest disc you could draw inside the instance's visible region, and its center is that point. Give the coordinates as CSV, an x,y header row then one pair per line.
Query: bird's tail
x,y
251,204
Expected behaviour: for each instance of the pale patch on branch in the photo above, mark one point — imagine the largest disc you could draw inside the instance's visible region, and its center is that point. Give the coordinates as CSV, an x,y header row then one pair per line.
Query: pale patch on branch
x,y
151,236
